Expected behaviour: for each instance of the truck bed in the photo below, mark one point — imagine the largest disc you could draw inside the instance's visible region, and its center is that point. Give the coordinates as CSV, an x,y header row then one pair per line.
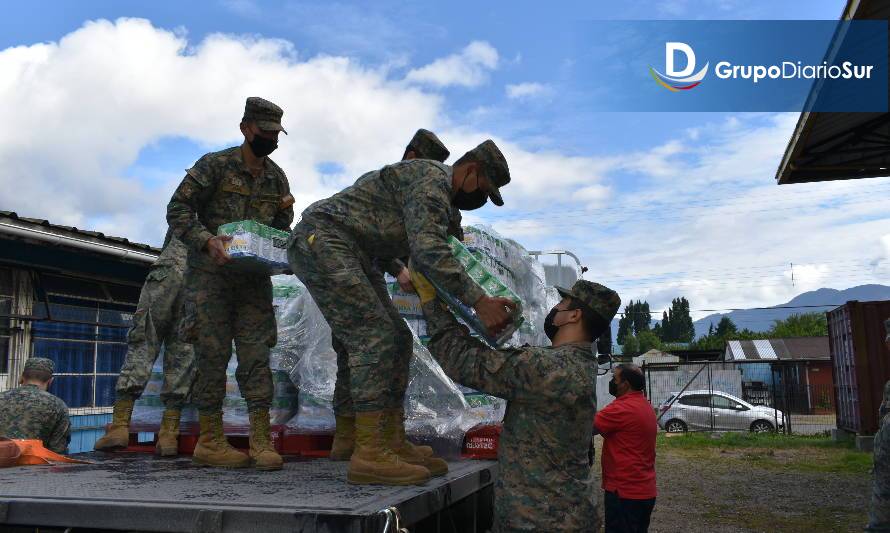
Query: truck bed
x,y
140,492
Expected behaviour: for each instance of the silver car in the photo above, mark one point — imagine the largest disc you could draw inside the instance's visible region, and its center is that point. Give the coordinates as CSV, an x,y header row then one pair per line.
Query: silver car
x,y
715,410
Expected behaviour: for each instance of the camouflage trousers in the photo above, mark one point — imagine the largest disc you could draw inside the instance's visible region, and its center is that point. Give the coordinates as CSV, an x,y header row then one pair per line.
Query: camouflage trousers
x,y
373,343
221,307
156,322
879,511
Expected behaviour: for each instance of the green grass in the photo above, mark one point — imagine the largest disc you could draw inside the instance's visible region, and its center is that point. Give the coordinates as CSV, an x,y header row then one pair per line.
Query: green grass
x,y
749,440
771,451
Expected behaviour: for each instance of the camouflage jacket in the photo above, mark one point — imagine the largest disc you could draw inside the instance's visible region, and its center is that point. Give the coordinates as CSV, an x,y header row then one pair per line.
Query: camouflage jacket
x,y
219,189
545,482
402,210
174,255
27,412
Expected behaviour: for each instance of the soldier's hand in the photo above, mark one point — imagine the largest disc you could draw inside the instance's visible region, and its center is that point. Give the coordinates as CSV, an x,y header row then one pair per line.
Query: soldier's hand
x,y
404,279
216,248
494,313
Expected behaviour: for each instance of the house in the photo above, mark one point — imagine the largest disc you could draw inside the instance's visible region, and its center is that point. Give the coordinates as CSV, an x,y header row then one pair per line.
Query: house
x,y
68,294
655,356
801,367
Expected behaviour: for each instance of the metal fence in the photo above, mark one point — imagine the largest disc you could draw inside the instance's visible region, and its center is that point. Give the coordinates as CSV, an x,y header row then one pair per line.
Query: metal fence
x,y
791,397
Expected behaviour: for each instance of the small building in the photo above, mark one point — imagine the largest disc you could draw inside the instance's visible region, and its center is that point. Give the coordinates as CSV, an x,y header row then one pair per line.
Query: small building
x,y
800,367
69,295
655,356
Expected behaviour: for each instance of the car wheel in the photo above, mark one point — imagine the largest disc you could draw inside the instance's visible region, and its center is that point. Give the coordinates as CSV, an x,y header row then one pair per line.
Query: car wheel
x,y
675,426
761,426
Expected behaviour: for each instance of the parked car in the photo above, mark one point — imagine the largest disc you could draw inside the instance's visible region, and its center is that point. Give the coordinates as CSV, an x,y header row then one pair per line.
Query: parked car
x,y
715,410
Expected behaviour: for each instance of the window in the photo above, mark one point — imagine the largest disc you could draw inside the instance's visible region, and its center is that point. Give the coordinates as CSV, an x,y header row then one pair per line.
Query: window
x,y
722,402
694,400
5,310
87,348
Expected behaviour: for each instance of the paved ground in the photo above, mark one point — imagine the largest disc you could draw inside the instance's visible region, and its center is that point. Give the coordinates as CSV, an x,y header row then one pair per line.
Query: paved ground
x,y
752,490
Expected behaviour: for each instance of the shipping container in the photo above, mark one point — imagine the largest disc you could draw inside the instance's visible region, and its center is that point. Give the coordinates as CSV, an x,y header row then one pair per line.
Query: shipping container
x,y
861,363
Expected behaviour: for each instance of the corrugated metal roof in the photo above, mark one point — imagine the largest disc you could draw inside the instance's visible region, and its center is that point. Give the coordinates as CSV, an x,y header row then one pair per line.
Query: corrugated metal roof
x,y
835,146
797,348
120,241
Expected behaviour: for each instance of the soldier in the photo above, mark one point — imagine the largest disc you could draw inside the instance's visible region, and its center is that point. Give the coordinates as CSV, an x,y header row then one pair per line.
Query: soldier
x,y
402,209
879,513
544,481
156,321
30,412
424,145
223,304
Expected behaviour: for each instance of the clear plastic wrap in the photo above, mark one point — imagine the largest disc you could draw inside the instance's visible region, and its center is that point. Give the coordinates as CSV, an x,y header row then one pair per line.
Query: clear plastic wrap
x,y
435,410
149,408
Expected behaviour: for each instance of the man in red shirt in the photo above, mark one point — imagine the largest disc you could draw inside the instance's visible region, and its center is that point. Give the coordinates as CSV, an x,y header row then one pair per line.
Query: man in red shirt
x,y
628,428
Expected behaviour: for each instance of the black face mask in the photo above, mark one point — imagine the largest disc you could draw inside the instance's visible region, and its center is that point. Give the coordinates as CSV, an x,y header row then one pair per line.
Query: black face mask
x,y
262,146
468,201
613,387
549,328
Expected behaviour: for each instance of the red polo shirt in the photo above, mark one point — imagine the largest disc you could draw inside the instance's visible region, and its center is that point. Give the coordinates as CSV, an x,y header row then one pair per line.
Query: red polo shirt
x,y
628,428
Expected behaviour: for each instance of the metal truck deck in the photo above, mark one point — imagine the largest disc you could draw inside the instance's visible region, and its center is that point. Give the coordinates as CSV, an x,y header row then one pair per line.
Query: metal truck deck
x,y
140,492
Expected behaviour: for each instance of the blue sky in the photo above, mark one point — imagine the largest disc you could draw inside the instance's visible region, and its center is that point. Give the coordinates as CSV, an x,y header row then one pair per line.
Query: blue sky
x,y
658,204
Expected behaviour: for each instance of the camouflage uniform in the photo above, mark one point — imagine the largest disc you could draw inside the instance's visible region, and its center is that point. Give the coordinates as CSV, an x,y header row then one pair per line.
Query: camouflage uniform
x,y
27,412
879,513
156,321
222,303
545,482
402,209
425,145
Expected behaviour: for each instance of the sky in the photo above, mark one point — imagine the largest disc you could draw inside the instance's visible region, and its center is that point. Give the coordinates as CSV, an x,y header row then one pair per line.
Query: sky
x,y
106,103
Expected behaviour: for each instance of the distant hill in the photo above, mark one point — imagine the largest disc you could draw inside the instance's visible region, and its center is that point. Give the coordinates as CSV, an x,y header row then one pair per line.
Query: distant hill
x,y
762,319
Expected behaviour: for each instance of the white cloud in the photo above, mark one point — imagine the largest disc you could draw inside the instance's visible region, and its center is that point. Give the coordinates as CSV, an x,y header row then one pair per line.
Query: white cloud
x,y
468,68
79,111
526,90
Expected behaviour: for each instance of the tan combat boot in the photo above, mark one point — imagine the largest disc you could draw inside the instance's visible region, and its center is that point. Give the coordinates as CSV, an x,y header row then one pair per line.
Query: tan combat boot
x,y
261,450
118,434
168,435
394,433
373,463
421,449
344,439
213,449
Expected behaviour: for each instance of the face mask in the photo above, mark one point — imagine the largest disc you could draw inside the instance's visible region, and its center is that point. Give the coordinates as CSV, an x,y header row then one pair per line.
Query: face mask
x,y
262,146
613,387
467,201
549,328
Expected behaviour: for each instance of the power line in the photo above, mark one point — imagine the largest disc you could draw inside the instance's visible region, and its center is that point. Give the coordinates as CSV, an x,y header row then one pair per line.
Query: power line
x,y
730,309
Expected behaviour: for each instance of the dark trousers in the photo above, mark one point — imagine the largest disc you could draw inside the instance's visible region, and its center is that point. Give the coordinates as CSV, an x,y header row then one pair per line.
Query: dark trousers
x,y
627,516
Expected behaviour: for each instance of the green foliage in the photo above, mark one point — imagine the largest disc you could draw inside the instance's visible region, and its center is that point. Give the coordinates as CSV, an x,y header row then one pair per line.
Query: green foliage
x,y
631,346
636,319
647,340
676,322
800,325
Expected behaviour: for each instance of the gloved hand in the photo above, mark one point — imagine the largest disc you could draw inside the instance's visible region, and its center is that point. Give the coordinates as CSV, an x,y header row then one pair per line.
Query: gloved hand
x,y
425,290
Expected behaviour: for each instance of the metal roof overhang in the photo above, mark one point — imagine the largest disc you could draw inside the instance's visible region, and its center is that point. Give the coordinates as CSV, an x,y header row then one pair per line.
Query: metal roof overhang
x,y
837,146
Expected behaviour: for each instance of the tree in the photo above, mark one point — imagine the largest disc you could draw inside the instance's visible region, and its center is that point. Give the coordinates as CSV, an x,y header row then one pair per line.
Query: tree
x,y
676,322
641,317
725,327
625,325
630,347
646,340
800,325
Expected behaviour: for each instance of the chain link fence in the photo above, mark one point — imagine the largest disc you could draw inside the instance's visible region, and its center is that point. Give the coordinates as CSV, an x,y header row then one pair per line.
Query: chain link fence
x,y
791,397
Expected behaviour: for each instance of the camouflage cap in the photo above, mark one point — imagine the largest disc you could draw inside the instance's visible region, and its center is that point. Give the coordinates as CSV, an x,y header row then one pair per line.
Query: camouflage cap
x,y
598,298
493,165
40,363
426,145
266,114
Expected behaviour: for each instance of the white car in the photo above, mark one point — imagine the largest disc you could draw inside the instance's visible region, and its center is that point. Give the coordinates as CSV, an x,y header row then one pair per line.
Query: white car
x,y
715,410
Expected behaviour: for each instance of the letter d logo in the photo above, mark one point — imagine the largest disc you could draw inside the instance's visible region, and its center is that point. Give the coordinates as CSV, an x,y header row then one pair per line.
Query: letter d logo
x,y
681,80
669,52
